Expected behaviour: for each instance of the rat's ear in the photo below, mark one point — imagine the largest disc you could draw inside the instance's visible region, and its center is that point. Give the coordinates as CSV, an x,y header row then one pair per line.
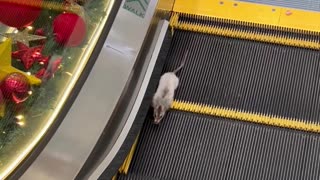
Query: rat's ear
x,y
162,111
159,109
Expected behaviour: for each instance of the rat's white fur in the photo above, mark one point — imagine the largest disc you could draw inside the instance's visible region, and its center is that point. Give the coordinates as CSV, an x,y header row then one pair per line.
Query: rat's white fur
x,y
165,94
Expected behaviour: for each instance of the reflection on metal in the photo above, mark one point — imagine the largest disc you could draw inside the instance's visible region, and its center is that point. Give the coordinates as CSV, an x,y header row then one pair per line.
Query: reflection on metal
x,y
71,145
159,36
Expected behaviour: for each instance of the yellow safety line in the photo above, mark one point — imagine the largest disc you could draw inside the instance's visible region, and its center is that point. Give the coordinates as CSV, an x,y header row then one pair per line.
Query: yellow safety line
x,y
121,169
244,116
126,164
251,12
130,156
240,33
114,177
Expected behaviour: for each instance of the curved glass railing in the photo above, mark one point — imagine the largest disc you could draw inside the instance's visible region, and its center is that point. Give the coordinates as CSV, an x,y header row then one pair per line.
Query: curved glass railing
x,y
44,47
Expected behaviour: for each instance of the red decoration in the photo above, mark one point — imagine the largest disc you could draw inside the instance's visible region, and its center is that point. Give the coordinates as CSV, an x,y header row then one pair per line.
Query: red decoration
x,y
44,61
15,14
40,32
40,73
48,72
16,87
54,66
28,55
69,29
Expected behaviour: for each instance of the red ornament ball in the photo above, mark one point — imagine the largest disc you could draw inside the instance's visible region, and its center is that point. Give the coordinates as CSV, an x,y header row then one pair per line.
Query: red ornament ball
x,y
16,87
17,14
69,29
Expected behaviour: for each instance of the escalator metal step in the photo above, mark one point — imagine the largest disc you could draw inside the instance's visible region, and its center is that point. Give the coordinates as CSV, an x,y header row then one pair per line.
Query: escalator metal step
x,y
247,75
192,146
136,177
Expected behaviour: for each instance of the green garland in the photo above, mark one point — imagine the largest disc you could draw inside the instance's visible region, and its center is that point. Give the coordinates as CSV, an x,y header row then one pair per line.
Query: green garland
x,y
44,97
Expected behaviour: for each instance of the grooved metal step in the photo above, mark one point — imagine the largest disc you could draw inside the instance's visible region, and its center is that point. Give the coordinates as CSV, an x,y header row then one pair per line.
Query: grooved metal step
x,y
191,146
247,75
137,177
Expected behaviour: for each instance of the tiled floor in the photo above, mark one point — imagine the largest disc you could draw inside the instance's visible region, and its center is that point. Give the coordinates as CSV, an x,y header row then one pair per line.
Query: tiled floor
x,y
311,5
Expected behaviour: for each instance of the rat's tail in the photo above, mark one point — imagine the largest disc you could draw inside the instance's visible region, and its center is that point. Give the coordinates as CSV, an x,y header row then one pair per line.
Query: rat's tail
x,y
182,64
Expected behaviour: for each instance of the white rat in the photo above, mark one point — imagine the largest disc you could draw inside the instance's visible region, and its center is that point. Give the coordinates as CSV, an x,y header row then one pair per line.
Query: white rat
x,y
164,95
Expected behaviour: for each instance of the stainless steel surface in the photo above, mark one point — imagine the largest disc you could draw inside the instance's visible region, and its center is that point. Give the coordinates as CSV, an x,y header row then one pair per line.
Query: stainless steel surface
x,y
154,52
68,149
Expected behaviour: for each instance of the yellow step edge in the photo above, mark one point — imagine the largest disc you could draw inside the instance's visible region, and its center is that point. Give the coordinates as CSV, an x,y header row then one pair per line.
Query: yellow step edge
x,y
124,168
244,116
251,12
114,177
238,33
130,156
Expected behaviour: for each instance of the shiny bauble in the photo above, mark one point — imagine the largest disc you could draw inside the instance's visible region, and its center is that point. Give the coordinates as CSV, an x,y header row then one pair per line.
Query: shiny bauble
x,y
16,87
17,14
69,29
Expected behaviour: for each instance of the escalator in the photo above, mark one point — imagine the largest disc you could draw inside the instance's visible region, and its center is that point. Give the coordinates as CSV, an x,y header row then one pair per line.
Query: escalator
x,y
247,106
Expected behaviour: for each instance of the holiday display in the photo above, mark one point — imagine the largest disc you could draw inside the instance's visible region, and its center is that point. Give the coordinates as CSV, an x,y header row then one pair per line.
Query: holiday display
x,y
69,29
17,15
41,45
13,90
28,55
15,87
40,33
6,66
44,61
33,7
50,69
23,37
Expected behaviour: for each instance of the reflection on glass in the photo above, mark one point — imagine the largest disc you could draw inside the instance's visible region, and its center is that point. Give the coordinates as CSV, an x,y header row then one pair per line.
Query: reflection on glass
x,y
44,45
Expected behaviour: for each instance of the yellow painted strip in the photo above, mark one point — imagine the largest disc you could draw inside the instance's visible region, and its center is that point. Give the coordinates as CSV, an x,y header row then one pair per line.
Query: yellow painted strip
x,y
166,5
251,12
244,116
121,169
130,156
126,164
304,20
114,177
238,33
